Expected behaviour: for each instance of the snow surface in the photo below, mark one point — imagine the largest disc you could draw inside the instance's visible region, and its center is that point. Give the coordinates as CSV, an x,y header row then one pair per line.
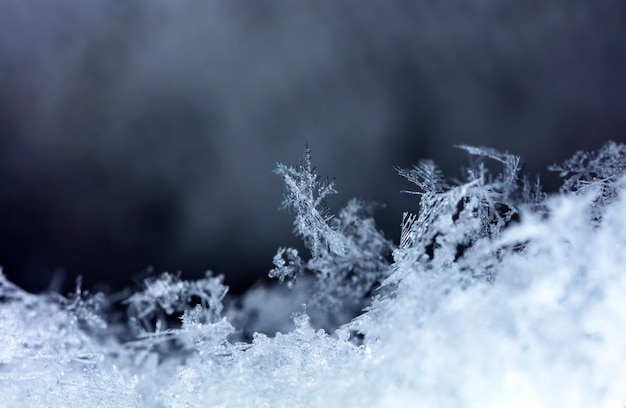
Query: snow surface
x,y
530,315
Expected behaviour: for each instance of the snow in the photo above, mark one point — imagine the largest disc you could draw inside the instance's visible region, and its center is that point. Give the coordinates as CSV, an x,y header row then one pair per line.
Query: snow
x,y
531,313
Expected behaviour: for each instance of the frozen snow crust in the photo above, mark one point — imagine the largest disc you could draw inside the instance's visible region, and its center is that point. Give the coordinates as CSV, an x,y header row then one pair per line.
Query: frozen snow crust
x,y
496,296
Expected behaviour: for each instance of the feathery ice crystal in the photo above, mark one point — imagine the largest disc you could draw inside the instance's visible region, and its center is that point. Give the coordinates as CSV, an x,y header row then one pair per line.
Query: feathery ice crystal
x,y
496,295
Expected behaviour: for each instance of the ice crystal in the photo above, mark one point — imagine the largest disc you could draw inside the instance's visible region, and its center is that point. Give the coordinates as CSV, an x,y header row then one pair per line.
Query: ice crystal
x,y
305,194
348,253
497,296
168,294
453,218
596,172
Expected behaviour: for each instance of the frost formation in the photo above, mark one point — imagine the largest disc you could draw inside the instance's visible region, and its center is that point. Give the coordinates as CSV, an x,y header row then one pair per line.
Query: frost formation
x,y
348,254
496,296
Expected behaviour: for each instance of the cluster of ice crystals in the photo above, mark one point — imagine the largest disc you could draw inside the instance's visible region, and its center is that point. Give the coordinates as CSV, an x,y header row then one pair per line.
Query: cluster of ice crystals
x,y
493,299
348,254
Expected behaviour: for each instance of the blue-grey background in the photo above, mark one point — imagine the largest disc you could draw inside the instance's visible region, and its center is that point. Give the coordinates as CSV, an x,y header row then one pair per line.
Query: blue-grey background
x,y
144,132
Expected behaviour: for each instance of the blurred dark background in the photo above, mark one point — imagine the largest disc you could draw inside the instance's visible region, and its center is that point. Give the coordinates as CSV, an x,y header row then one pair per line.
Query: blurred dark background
x,y
144,132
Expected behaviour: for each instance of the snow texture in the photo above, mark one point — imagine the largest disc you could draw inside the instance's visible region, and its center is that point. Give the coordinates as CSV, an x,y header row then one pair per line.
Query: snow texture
x,y
496,296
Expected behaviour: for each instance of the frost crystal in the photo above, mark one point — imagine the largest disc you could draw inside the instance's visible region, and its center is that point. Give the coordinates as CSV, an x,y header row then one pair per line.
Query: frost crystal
x,y
497,296
167,294
348,253
452,219
305,194
596,172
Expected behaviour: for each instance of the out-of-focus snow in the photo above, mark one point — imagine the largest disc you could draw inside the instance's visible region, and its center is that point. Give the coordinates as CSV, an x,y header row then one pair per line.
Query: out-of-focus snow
x,y
548,330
